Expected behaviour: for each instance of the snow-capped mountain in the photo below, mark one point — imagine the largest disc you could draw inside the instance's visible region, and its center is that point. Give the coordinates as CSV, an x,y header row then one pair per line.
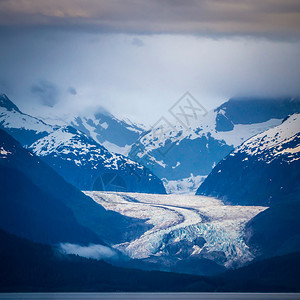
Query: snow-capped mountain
x,y
262,168
175,152
78,158
24,128
115,135
89,166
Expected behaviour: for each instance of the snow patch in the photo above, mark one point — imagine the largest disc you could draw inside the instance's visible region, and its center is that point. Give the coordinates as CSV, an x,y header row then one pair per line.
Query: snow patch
x,y
186,186
116,149
104,125
4,152
177,165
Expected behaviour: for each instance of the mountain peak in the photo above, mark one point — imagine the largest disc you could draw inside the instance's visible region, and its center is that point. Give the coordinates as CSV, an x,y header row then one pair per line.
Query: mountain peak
x,y
8,104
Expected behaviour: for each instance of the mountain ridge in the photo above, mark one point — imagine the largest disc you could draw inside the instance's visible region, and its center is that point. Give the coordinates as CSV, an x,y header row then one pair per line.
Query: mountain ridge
x,y
167,150
273,153
91,167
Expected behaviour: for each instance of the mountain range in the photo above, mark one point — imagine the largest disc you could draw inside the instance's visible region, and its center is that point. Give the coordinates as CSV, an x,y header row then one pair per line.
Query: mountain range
x,y
75,156
167,155
250,151
178,153
89,166
115,134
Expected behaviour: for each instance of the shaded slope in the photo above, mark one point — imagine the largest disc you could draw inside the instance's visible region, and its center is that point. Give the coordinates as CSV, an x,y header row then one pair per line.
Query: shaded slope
x,y
29,212
107,225
276,230
263,169
278,275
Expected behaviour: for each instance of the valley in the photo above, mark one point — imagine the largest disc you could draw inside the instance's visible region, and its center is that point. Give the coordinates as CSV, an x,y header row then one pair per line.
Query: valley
x,y
149,147
234,218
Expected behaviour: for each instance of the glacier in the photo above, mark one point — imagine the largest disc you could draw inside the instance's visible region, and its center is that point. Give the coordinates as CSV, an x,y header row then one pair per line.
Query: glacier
x,y
183,227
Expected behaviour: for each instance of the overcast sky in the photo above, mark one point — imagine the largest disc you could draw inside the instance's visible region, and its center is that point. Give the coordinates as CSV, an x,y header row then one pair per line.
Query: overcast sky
x,y
137,57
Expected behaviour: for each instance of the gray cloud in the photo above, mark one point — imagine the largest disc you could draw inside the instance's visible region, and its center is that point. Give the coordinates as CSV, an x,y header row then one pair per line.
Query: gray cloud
x,y
268,18
142,83
46,91
137,42
72,90
4,87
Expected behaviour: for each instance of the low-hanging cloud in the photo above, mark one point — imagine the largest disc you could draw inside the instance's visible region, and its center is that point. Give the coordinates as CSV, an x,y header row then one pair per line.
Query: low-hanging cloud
x,y
268,18
46,91
91,251
141,83
137,42
72,91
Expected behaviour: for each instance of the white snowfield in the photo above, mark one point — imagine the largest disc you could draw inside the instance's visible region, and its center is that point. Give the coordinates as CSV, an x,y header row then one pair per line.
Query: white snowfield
x,y
182,218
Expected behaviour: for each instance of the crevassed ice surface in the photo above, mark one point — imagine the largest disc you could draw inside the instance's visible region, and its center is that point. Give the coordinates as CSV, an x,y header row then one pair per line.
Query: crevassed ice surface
x,y
184,218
